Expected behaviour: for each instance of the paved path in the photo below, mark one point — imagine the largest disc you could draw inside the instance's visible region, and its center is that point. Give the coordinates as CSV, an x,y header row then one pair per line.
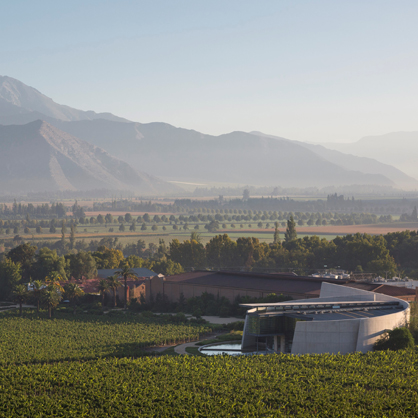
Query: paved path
x,y
8,308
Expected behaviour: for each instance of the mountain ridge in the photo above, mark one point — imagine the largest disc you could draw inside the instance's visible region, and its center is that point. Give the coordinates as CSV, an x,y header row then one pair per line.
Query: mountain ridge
x,y
180,154
39,157
18,98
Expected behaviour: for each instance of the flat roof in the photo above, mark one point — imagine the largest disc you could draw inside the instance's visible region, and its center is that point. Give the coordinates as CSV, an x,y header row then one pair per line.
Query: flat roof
x,y
273,283
325,311
317,304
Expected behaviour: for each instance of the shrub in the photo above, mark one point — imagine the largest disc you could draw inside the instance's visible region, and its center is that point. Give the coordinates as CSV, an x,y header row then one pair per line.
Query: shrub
x,y
396,339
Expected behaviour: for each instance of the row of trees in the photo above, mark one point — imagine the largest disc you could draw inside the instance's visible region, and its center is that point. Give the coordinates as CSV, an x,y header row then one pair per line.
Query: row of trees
x,y
392,253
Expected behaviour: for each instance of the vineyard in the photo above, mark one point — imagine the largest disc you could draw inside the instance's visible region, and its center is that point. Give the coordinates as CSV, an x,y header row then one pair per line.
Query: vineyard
x,y
32,339
380,384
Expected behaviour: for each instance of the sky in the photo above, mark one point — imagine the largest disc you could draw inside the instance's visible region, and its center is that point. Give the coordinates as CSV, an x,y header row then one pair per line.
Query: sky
x,y
309,70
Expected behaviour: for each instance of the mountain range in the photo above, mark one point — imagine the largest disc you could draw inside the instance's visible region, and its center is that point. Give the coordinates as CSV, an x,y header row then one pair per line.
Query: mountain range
x,y
38,157
396,148
111,152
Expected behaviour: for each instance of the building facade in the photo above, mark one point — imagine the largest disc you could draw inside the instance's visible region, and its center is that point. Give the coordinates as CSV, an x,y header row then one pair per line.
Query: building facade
x,y
342,320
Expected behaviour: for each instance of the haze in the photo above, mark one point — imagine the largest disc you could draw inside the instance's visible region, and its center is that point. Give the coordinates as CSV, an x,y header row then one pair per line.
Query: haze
x,y
320,71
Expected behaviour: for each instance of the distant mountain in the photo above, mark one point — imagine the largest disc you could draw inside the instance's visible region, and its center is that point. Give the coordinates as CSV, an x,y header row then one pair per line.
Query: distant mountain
x,y
362,164
39,157
185,155
20,104
238,157
399,149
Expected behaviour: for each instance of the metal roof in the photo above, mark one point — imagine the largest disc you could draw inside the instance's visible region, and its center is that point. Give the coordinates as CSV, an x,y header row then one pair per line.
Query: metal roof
x,y
274,283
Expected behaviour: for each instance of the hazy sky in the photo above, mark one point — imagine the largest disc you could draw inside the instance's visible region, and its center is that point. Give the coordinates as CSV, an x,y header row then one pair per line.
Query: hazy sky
x,y
318,70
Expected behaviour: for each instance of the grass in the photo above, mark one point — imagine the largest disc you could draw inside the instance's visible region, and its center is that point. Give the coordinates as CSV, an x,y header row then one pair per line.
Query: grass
x,y
169,352
194,351
232,336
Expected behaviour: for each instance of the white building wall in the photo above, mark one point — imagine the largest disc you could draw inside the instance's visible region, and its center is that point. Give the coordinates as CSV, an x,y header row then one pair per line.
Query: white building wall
x,y
340,336
347,335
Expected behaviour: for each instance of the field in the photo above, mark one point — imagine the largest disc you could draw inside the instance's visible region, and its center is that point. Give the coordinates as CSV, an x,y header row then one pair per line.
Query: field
x,y
380,384
36,339
329,232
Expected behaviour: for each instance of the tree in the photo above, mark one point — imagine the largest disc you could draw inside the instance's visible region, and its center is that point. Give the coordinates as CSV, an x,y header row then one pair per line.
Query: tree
x,y
20,293
48,261
221,252
167,267
25,255
414,215
126,272
114,284
245,194
100,219
51,297
276,238
128,218
109,218
107,258
63,231
72,236
195,236
82,265
10,277
212,226
290,234
396,339
37,292
72,291
102,287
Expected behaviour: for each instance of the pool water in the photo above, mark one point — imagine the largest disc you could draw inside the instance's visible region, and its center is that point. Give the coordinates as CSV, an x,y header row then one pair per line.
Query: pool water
x,y
232,349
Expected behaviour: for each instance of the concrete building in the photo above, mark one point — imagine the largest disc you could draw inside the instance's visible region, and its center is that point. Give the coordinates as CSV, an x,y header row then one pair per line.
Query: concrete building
x,y
258,285
342,320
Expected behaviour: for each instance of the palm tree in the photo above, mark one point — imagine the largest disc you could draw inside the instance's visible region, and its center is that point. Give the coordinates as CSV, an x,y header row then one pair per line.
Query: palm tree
x,y
72,292
51,297
55,279
114,283
102,287
20,293
37,292
126,272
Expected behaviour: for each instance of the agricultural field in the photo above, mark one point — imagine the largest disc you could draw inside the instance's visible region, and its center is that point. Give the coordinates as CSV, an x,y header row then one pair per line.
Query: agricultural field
x,y
381,384
36,339
328,232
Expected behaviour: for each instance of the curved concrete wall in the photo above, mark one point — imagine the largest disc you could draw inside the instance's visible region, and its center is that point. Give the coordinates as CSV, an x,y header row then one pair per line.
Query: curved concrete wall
x,y
341,336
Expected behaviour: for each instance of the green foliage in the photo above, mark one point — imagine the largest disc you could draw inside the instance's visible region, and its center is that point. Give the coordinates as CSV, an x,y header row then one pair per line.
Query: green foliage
x,y
10,277
46,262
82,264
373,385
396,339
290,234
34,339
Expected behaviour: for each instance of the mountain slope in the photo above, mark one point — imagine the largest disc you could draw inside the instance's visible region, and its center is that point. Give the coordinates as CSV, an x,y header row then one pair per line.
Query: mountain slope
x,y
39,157
397,148
187,155
237,157
364,164
21,104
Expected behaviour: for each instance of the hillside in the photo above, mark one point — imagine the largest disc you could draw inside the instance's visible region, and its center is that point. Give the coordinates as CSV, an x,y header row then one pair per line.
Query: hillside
x,y
20,104
366,165
398,149
185,155
39,157
238,157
